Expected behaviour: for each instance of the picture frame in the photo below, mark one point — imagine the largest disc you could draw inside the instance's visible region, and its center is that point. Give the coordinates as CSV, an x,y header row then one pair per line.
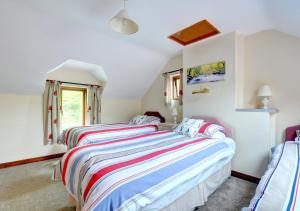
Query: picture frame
x,y
206,73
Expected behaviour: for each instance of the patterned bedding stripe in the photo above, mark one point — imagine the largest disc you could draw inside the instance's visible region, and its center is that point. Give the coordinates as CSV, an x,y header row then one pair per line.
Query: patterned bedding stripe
x,y
78,136
129,173
279,187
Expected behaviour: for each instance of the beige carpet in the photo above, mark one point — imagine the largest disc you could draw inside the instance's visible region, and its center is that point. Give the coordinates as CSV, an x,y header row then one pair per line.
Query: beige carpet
x,y
29,188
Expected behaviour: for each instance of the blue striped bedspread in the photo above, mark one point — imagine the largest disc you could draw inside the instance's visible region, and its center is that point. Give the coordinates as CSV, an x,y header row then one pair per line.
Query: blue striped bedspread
x,y
82,135
279,187
131,173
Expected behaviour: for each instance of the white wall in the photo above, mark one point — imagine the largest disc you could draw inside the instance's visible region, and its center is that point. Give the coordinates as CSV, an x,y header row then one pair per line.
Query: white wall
x,y
251,130
119,110
272,57
21,125
153,100
21,128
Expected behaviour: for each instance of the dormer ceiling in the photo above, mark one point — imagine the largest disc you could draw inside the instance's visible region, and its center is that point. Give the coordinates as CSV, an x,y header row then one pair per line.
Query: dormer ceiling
x,y
37,35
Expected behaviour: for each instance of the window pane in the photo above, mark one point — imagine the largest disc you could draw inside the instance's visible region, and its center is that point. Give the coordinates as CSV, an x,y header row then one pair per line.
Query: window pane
x,y
72,102
175,90
178,86
175,87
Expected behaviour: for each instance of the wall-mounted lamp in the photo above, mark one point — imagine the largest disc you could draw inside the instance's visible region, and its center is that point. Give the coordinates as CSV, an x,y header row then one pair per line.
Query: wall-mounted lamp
x,y
201,91
266,93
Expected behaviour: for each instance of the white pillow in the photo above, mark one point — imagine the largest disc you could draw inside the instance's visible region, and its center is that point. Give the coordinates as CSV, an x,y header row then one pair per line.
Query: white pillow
x,y
152,120
219,135
189,127
209,129
137,120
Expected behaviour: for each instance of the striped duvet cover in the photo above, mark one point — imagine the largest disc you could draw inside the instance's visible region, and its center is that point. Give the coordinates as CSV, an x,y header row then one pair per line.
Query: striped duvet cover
x,y
279,187
78,136
133,172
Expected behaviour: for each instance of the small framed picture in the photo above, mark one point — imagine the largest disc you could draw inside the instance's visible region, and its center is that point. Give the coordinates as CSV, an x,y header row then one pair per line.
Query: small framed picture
x,y
206,73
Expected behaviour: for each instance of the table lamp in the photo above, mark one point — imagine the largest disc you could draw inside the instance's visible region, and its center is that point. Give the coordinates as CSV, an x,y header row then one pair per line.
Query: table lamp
x,y
266,93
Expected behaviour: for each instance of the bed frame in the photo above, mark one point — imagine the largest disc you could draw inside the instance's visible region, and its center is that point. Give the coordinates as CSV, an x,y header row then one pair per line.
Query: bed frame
x,y
290,133
156,114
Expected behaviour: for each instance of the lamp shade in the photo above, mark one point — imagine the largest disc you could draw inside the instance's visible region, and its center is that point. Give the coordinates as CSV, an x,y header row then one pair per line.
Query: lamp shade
x,y
264,91
123,24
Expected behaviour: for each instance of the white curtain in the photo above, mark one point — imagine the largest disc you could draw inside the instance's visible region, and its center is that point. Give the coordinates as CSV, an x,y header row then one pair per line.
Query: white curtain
x,y
94,104
181,88
52,111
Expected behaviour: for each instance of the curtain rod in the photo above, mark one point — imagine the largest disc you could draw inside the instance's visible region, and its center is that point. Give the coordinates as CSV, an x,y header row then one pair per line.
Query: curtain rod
x,y
64,82
173,71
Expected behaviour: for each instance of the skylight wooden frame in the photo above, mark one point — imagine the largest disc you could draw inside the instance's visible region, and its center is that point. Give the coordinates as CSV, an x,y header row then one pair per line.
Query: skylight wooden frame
x,y
213,31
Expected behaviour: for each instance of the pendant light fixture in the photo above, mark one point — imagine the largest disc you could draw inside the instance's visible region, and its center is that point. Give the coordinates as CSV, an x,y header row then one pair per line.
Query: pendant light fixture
x,y
122,23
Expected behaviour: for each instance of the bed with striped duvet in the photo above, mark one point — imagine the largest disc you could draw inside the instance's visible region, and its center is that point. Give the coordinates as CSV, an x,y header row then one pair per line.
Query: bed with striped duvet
x,y
279,187
133,173
78,136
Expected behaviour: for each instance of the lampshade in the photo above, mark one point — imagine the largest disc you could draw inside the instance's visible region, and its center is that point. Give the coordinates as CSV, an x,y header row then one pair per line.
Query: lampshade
x,y
264,91
123,24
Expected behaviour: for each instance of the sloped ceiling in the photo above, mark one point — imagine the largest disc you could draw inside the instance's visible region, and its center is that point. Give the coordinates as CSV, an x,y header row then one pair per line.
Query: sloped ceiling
x,y
38,35
73,71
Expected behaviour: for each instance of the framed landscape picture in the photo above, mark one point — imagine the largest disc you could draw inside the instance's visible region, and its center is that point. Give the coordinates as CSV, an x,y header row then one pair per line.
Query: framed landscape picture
x,y
206,73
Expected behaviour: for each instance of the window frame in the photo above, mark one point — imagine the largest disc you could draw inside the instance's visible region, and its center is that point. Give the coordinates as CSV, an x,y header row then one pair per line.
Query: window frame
x,y
84,94
175,78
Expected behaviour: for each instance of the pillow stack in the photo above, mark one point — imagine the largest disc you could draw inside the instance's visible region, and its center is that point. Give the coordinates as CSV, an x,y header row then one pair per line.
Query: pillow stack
x,y
194,127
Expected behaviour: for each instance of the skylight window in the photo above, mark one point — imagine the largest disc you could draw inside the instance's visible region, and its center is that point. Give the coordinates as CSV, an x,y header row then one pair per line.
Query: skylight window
x,y
198,31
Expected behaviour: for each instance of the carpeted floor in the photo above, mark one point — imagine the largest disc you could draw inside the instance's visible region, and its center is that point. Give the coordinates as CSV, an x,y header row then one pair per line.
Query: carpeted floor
x,y
29,188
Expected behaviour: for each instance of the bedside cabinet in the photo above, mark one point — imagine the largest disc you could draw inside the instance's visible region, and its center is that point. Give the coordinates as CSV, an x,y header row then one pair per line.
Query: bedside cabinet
x,y
167,126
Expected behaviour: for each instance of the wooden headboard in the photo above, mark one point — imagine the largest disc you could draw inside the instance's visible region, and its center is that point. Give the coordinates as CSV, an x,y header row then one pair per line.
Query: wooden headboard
x,y
157,114
290,133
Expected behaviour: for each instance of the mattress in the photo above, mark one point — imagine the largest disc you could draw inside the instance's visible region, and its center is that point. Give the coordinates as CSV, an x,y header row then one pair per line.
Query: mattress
x,y
78,136
142,172
279,187
196,196
196,191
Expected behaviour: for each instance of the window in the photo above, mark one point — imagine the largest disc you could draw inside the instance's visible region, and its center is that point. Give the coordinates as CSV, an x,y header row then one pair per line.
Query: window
x,y
175,88
73,106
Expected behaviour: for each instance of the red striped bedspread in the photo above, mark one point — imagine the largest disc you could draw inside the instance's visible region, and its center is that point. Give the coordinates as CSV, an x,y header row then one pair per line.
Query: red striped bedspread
x,y
78,136
132,173
279,187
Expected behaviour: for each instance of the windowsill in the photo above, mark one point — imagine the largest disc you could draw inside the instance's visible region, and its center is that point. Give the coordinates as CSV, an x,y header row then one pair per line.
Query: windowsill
x,y
269,110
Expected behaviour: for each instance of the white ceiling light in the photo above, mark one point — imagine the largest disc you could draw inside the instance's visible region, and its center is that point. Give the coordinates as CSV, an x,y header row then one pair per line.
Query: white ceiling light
x,y
122,23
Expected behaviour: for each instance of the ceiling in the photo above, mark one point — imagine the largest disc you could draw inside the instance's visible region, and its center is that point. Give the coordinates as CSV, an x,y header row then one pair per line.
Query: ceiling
x,y
36,36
